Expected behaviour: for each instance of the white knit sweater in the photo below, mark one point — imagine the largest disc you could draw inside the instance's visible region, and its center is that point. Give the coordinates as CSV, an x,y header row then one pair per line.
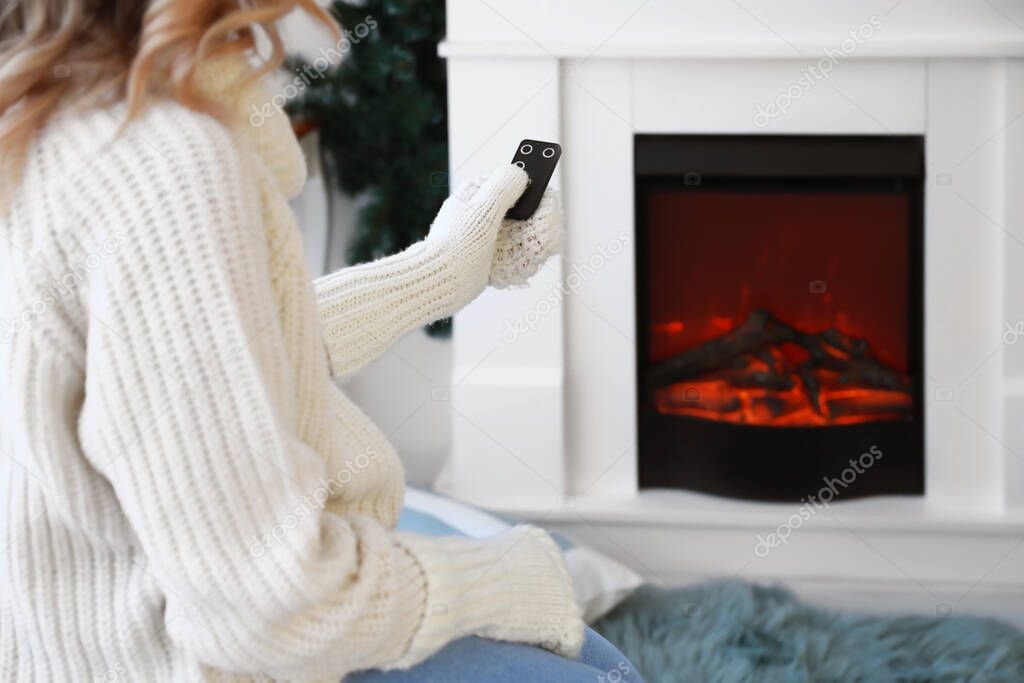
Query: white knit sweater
x,y
193,498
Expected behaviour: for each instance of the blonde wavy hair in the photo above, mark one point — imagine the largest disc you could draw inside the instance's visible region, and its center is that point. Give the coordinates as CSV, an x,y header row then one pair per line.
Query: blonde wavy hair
x,y
53,50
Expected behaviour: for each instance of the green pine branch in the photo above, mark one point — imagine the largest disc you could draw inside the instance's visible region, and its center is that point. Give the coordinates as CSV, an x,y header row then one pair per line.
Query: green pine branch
x,y
381,116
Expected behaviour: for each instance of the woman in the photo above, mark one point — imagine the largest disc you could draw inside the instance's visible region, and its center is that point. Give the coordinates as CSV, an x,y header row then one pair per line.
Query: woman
x,y
166,377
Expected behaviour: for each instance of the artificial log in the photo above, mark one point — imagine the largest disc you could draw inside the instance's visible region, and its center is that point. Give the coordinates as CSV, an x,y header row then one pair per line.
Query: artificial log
x,y
830,349
811,387
749,357
760,330
871,374
768,369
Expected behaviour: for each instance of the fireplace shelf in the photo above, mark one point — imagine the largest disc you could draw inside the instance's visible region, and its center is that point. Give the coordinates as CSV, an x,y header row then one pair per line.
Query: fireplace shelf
x,y
879,554
728,48
687,509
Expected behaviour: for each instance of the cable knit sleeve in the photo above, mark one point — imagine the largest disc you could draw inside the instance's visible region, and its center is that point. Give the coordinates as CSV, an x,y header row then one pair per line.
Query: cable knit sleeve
x,y
365,308
190,412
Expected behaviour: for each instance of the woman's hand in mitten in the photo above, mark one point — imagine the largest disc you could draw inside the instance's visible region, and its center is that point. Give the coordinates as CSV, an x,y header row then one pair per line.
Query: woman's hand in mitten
x,y
523,246
466,228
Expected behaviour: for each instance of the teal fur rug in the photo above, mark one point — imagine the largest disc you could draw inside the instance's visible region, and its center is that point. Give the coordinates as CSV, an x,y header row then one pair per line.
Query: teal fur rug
x,y
733,632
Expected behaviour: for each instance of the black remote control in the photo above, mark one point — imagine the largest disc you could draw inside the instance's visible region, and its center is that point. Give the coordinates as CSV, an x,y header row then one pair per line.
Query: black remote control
x,y
538,159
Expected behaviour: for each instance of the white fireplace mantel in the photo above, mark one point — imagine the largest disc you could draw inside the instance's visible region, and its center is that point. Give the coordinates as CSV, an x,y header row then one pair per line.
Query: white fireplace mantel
x,y
545,417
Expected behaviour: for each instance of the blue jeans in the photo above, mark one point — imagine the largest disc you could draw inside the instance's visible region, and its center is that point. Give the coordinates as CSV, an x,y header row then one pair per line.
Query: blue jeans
x,y
476,660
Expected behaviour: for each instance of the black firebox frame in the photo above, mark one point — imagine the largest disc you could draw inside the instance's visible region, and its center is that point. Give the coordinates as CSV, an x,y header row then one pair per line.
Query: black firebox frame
x,y
771,462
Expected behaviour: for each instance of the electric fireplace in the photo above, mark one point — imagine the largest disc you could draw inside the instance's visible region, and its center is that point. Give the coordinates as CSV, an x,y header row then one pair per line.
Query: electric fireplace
x,y
554,425
780,314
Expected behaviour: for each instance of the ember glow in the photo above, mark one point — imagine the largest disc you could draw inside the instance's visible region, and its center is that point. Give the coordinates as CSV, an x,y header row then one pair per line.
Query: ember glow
x,y
714,398
765,372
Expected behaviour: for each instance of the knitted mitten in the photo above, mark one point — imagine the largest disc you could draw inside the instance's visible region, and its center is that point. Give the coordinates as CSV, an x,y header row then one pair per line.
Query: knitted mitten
x,y
513,586
468,224
524,246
